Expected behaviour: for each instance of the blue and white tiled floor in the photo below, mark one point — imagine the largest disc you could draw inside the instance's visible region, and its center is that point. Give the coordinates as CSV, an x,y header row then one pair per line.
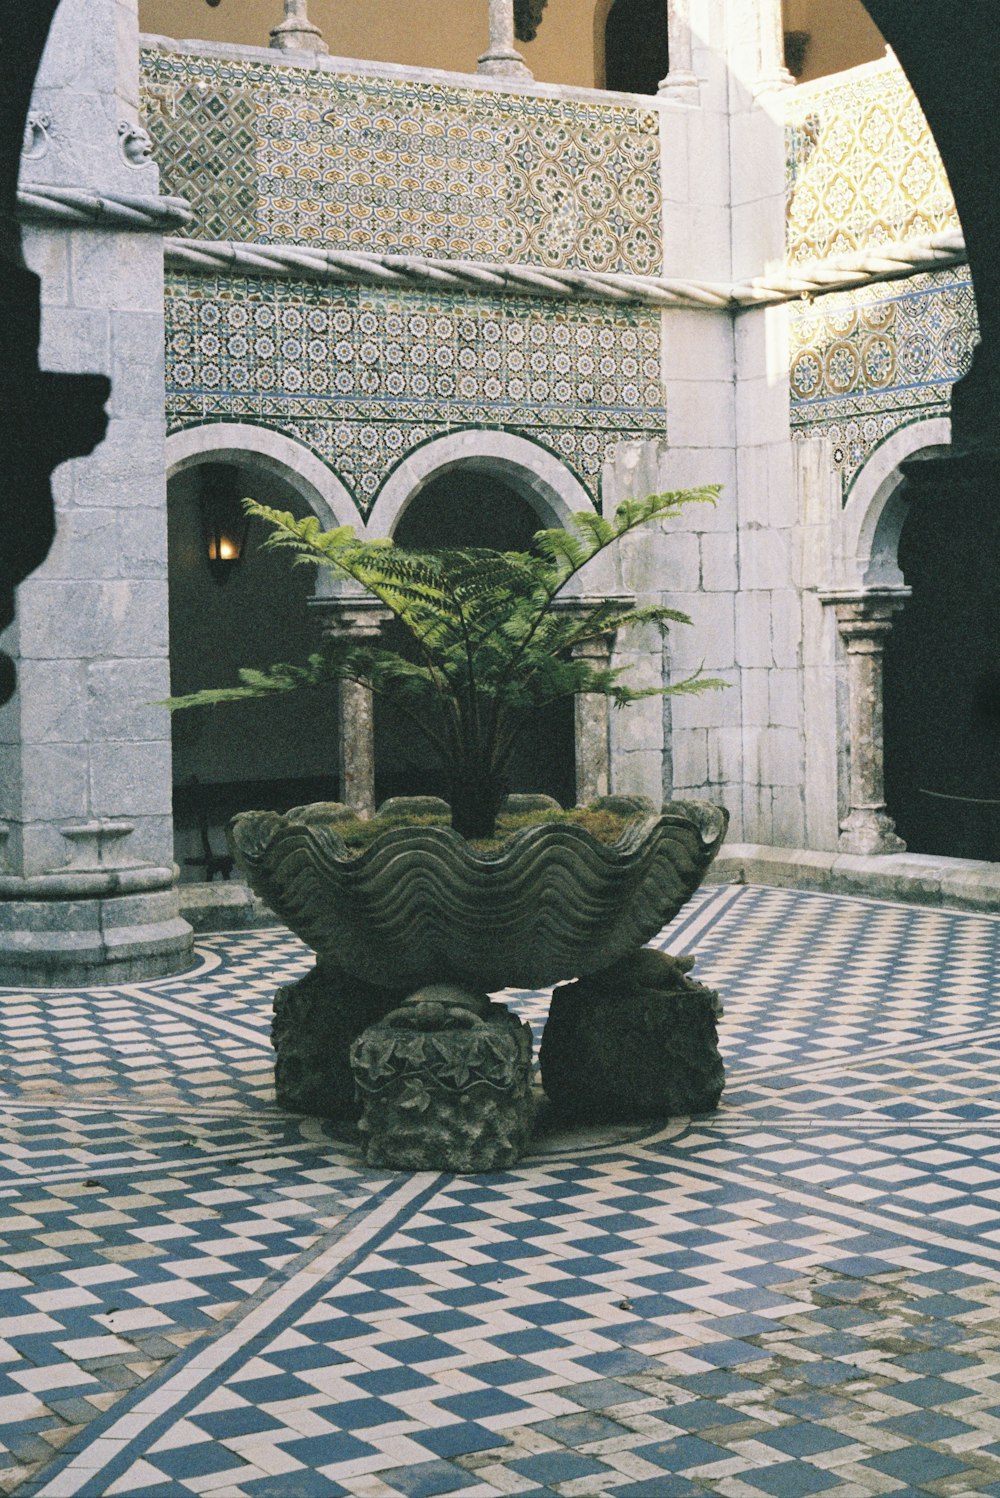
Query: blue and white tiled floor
x,y
798,1295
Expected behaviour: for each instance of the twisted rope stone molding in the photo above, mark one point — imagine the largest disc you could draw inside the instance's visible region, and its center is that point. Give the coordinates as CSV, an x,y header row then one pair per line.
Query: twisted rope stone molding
x,y
891,262
106,210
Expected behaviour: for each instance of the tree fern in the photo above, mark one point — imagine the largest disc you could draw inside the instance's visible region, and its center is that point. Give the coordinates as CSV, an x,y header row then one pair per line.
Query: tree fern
x,y
493,634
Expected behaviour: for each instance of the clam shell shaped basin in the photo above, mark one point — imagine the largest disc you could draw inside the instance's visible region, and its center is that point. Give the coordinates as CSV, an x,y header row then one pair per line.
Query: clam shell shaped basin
x,y
420,905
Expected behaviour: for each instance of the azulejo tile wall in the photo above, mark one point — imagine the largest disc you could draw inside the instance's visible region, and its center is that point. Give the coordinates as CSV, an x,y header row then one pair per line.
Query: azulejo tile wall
x,y
863,168
280,154
865,363
362,376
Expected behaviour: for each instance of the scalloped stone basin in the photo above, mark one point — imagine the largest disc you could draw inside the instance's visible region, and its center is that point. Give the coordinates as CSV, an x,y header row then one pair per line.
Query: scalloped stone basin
x,y
420,905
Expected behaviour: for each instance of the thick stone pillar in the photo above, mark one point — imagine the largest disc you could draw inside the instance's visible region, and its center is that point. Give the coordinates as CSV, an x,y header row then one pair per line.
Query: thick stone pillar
x,y
681,82
87,882
864,621
502,59
358,619
296,32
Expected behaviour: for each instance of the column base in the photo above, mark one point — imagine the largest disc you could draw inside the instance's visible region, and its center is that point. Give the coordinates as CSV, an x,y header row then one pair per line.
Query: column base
x,y
681,86
504,65
867,832
298,38
73,943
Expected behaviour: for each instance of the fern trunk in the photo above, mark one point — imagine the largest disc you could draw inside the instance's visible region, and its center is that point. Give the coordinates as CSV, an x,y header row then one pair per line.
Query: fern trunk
x,y
476,799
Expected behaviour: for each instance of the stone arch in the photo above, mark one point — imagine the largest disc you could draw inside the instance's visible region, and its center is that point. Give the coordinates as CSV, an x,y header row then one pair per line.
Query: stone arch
x,y
217,441
874,514
527,467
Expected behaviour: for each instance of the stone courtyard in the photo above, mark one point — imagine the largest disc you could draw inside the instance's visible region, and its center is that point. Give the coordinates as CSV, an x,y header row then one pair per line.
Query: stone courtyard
x,y
800,1294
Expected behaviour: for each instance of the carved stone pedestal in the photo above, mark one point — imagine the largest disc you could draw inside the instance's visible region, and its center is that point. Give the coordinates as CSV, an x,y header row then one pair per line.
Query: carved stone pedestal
x,y
316,1020
636,1041
446,1084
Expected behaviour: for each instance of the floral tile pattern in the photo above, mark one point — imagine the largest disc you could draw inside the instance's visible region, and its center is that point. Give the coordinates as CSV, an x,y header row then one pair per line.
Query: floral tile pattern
x,y
289,155
863,168
865,363
363,376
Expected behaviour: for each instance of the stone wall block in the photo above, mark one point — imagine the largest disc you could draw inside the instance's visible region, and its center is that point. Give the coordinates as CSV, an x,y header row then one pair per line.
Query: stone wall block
x,y
720,708
786,627
125,471
54,780
47,253
780,757
120,698
123,271
137,365
129,780
725,758
755,689
753,629
690,755
76,339
719,564
52,696
765,559
704,411
66,621
710,638
698,345
784,693
788,817
93,545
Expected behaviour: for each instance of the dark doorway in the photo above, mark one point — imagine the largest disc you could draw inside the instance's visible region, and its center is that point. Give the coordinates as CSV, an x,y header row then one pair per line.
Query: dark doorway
x,y
468,507
636,49
942,679
268,754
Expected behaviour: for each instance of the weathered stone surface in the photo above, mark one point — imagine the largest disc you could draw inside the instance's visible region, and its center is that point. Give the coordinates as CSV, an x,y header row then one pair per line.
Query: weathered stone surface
x,y
420,905
446,1084
315,1022
636,1041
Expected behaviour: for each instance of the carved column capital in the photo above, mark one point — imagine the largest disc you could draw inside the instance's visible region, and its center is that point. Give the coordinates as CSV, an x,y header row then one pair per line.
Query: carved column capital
x,y
357,618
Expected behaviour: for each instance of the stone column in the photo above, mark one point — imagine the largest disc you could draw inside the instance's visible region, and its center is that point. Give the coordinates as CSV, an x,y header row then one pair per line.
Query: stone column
x,y
681,82
88,892
864,621
772,72
360,619
296,32
592,727
502,60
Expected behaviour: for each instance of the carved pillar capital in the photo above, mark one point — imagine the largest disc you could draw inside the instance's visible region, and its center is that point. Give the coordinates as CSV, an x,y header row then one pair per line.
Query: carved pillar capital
x,y
864,621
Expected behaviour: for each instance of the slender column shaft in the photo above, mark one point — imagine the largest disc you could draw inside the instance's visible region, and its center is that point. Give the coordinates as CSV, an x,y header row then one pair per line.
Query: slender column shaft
x,y
297,32
592,721
502,60
358,619
772,72
864,622
681,80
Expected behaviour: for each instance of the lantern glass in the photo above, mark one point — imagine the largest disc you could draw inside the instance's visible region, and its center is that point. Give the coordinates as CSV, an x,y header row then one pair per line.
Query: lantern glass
x,y
224,521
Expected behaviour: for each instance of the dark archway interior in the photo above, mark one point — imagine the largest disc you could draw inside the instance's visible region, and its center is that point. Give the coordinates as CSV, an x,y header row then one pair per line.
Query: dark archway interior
x,y
942,681
636,47
468,507
259,755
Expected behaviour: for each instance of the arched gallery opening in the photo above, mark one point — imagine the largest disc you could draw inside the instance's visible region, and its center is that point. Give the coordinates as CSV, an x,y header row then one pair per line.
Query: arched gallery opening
x,y
942,679
636,49
467,505
228,611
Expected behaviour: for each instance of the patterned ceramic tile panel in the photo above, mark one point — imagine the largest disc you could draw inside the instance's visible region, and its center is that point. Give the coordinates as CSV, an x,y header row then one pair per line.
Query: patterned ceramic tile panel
x,y
289,155
363,376
863,168
865,363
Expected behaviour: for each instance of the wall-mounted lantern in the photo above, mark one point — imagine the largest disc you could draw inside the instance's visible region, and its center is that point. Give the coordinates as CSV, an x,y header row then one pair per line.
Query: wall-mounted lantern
x,y
225,523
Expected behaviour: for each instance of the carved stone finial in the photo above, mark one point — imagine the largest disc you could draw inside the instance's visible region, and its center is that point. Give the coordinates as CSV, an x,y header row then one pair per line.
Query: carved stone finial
x,y
135,143
296,32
